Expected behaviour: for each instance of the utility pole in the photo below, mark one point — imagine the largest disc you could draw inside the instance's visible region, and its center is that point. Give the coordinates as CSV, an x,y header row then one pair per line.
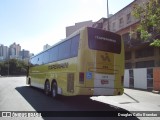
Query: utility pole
x,y
8,67
108,14
107,10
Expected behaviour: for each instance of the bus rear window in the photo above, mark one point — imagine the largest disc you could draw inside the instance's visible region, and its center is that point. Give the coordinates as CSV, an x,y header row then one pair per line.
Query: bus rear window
x,y
104,40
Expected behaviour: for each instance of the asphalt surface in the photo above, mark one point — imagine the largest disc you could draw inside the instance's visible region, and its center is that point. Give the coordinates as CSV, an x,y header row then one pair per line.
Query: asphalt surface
x,y
15,95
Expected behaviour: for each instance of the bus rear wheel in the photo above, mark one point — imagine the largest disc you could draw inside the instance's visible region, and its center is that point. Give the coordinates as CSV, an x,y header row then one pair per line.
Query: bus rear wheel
x,y
54,90
47,88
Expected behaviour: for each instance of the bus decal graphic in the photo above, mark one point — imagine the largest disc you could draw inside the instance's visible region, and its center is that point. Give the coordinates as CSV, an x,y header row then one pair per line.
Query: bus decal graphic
x,y
58,66
105,57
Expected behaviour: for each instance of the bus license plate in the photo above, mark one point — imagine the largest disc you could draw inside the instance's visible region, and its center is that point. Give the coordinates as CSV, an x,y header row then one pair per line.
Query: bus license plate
x,y
104,82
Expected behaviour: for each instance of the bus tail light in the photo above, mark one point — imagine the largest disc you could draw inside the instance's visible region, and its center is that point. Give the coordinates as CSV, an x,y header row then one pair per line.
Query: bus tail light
x,y
122,80
81,77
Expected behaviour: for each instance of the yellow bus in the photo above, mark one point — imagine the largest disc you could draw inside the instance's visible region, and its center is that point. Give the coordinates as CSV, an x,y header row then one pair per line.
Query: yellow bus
x,y
88,62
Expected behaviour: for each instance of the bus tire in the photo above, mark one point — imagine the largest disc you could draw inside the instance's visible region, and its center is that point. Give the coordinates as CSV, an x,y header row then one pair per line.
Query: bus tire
x,y
54,90
47,88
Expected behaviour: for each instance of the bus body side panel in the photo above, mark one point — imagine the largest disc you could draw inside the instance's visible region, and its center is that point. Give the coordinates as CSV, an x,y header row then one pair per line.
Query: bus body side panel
x,y
64,73
81,66
38,76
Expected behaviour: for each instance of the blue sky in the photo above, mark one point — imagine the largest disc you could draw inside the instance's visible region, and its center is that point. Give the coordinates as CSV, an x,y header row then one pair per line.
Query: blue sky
x,y
34,23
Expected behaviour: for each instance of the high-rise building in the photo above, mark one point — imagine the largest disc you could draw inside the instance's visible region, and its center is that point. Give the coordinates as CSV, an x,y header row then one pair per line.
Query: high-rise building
x,y
24,54
14,50
45,47
3,52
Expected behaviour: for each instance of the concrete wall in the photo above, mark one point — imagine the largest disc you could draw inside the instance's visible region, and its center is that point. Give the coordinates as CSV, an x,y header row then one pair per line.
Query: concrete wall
x,y
126,78
142,78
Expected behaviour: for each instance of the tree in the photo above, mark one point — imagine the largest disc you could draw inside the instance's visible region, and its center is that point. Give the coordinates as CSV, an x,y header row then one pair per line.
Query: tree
x,y
149,16
13,67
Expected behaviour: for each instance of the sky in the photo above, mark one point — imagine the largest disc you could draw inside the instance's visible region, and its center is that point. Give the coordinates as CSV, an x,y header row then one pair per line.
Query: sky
x,y
34,23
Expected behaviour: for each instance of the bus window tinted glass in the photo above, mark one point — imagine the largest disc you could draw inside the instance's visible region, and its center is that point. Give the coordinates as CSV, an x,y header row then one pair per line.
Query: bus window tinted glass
x,y
53,52
33,61
74,46
45,57
67,49
40,59
104,41
64,50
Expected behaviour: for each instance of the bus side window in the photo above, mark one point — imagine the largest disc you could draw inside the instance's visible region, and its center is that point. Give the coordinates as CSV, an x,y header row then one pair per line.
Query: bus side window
x,y
68,49
53,54
45,57
74,46
64,50
40,59
61,51
32,62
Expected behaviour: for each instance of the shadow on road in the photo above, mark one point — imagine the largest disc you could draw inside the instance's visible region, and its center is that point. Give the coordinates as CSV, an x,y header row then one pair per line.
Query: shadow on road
x,y
40,102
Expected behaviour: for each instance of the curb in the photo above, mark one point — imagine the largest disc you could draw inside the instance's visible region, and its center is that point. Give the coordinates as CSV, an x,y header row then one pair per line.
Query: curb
x,y
156,92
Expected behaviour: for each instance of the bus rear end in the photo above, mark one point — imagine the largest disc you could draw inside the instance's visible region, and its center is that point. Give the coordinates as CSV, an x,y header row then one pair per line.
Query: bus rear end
x,y
102,63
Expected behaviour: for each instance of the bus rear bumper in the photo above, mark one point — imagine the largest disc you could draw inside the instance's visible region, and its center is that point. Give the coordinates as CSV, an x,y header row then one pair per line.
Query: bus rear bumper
x,y
106,91
101,91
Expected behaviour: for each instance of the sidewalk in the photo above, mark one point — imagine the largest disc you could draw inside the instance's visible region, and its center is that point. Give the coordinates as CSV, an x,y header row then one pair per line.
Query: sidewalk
x,y
147,90
133,100
156,92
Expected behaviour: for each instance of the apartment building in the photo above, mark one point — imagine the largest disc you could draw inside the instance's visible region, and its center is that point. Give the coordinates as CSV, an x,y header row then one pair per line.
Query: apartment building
x,y
24,54
45,47
71,29
138,54
14,50
3,52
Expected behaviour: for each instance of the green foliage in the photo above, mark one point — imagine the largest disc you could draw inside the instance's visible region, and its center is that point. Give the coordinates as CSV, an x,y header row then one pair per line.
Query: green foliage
x,y
13,67
149,16
156,43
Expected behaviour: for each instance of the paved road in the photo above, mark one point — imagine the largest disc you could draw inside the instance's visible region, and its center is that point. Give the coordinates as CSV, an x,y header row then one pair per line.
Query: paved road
x,y
135,101
15,95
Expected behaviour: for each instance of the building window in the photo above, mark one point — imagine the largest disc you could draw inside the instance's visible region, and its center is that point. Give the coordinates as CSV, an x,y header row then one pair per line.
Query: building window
x,y
126,37
146,52
150,78
131,78
145,64
128,65
127,55
121,22
128,18
114,26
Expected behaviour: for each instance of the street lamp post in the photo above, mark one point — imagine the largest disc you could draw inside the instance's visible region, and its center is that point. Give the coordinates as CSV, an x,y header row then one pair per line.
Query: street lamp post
x,y
8,67
107,10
